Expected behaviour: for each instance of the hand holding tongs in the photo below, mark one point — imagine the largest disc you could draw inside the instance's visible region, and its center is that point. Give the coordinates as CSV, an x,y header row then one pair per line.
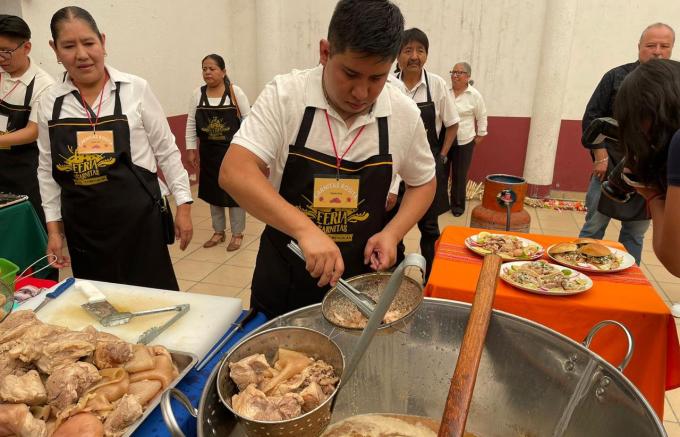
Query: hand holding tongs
x,y
365,303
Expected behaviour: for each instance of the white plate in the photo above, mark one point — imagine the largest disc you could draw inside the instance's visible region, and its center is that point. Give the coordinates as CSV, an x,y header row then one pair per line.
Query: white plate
x,y
627,261
471,241
568,273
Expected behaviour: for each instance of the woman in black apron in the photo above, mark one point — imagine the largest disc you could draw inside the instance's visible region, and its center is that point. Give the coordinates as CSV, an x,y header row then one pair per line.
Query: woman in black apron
x,y
280,281
109,205
215,125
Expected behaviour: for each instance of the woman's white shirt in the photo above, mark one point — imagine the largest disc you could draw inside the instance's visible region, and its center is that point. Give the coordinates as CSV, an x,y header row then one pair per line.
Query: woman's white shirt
x,y
151,140
471,108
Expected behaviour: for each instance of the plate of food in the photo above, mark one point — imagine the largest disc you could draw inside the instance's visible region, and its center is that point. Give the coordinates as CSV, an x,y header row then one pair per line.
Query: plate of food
x,y
588,255
542,277
508,247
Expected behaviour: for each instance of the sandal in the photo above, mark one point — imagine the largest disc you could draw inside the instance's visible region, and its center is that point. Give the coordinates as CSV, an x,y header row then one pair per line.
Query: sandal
x,y
217,238
235,242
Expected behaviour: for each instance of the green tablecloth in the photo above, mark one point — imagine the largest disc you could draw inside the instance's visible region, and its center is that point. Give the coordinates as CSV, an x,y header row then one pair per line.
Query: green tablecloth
x,y
22,237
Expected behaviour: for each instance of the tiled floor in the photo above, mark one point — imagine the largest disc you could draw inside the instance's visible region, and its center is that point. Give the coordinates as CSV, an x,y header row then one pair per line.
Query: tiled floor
x,y
218,272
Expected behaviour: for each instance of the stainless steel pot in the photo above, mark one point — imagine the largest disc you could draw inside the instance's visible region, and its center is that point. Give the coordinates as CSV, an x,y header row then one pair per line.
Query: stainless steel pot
x,y
532,381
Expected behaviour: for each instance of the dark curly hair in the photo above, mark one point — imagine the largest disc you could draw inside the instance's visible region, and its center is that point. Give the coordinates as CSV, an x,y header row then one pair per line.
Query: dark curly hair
x,y
647,107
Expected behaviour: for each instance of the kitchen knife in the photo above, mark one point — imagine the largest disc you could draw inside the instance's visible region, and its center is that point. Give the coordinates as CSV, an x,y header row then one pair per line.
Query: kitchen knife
x,y
56,292
247,318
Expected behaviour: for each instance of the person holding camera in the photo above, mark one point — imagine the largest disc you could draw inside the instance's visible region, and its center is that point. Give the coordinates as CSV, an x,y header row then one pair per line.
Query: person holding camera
x,y
648,110
656,41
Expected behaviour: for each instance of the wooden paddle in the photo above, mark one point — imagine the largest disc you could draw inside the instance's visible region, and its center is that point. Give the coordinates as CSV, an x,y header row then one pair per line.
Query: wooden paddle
x,y
465,374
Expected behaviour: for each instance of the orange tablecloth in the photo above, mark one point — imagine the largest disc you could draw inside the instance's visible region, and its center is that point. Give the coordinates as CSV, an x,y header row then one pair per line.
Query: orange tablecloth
x,y
626,297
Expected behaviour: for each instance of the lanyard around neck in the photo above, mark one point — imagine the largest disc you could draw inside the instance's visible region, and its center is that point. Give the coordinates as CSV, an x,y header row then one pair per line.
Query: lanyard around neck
x,y
338,158
99,108
10,91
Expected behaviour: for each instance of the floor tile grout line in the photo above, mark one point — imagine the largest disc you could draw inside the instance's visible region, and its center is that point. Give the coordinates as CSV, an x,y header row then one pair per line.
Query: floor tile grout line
x,y
670,405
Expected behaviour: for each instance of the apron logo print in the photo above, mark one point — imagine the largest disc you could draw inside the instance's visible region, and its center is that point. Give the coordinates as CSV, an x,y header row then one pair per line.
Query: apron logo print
x,y
336,223
85,167
216,129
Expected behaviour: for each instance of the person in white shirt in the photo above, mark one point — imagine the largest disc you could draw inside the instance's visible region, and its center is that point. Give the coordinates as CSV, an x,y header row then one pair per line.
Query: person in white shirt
x,y
22,83
102,137
471,131
215,113
440,118
331,138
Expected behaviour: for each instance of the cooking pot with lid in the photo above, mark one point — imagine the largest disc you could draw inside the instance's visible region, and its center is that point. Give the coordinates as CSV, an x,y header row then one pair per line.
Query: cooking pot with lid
x,y
532,381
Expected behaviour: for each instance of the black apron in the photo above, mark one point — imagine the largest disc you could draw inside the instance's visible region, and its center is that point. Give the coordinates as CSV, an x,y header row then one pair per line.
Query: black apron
x,y
215,127
19,164
112,226
280,281
428,113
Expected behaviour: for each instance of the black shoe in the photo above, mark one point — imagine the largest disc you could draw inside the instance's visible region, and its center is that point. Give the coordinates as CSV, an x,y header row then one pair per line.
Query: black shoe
x,y
457,213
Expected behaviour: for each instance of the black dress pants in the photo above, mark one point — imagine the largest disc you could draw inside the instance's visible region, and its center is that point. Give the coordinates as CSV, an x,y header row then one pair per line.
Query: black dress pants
x,y
460,157
429,233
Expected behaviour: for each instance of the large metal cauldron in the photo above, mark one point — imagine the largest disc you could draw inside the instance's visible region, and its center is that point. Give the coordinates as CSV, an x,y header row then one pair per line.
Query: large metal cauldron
x,y
532,381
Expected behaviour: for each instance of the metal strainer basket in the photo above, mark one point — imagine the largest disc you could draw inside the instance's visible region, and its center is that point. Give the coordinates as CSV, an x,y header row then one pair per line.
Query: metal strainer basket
x,y
304,340
340,311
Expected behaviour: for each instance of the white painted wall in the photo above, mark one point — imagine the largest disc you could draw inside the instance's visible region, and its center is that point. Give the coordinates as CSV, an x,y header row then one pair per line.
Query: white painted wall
x,y
164,41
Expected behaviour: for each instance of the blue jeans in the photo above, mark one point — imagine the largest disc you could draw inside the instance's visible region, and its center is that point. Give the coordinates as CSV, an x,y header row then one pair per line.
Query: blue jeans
x,y
632,232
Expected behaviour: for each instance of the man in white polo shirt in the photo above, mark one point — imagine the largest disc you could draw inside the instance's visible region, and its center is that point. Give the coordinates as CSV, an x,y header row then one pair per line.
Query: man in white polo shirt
x,y
22,83
331,138
439,115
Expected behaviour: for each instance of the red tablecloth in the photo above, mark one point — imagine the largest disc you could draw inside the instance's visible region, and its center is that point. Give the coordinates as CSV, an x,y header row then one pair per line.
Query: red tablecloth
x,y
626,297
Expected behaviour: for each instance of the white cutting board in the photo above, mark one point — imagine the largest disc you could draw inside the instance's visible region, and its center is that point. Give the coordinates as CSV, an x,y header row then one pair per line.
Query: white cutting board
x,y
197,331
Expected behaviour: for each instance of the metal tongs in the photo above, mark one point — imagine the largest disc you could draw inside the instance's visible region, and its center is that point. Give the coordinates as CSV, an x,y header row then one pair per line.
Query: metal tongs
x,y
365,303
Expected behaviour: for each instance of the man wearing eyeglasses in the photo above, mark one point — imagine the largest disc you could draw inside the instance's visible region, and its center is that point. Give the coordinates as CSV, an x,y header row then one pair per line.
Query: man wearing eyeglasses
x,y
21,84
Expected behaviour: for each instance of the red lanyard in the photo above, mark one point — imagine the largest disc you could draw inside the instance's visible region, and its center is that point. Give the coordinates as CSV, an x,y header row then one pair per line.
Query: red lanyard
x,y
338,159
99,108
10,91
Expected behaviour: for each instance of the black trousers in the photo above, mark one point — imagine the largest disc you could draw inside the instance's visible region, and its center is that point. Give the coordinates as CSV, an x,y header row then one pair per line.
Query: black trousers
x,y
460,157
429,233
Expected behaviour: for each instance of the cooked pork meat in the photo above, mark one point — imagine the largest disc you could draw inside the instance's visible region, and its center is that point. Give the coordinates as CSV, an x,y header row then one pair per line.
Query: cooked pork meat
x,y
164,371
80,425
127,411
66,384
27,389
250,370
18,318
289,363
16,324
29,347
114,384
16,420
289,405
299,384
68,348
323,374
145,390
294,384
312,396
12,366
141,359
254,404
109,354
